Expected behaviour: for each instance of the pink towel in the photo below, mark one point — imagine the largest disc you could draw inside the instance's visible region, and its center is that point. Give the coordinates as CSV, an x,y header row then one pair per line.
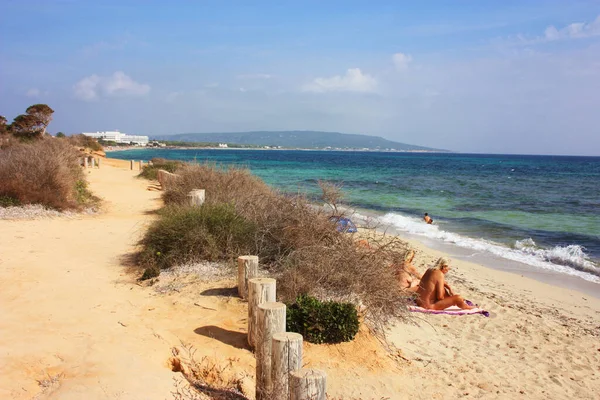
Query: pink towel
x,y
454,310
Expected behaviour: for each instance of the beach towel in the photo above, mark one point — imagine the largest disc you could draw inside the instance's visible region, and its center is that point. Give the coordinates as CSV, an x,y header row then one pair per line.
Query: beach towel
x,y
454,310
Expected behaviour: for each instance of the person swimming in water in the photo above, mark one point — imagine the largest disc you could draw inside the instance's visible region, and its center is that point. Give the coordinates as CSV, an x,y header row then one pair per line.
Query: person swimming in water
x,y
428,219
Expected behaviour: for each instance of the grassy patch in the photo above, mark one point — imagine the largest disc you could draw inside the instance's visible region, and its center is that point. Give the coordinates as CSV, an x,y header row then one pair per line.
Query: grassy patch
x,y
151,171
7,201
188,234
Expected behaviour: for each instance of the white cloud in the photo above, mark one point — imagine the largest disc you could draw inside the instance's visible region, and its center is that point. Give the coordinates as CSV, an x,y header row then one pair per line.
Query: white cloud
x,y
401,61
34,92
353,81
574,31
117,84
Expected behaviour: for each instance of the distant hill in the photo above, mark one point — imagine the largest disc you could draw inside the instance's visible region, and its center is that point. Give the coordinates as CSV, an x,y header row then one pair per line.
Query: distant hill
x,y
298,139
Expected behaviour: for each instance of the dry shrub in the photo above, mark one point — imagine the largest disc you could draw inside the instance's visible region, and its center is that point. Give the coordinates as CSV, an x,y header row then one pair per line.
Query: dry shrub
x,y
210,378
298,243
150,171
84,142
44,172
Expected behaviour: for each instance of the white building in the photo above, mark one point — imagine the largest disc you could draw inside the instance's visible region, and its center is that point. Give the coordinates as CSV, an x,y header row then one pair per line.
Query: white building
x,y
116,136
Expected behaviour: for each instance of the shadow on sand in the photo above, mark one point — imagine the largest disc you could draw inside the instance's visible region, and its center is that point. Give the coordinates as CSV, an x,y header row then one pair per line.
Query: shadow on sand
x,y
232,338
225,292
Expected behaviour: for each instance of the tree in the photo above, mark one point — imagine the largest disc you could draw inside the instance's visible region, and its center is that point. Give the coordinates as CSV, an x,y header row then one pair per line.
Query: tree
x,y
60,134
3,126
32,124
42,115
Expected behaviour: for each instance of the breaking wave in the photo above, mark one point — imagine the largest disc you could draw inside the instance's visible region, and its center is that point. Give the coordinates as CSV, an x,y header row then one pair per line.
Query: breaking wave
x,y
570,259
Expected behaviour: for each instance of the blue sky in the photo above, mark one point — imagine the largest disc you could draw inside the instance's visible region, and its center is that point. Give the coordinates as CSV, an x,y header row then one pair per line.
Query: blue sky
x,y
471,76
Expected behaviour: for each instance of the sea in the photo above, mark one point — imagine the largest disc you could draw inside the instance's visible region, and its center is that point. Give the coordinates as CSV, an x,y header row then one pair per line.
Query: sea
x,y
541,213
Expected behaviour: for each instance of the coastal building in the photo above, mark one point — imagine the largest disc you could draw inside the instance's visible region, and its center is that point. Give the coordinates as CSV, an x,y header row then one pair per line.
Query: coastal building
x,y
118,137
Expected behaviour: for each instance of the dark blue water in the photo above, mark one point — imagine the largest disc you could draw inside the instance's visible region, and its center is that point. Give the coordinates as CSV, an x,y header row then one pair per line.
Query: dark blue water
x,y
540,210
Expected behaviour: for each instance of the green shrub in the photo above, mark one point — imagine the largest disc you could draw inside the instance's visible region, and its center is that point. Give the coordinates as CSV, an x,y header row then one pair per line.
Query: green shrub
x,y
322,322
7,201
189,234
151,171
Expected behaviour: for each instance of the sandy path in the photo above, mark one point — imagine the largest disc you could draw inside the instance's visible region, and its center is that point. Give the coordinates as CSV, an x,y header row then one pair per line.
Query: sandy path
x,y
65,301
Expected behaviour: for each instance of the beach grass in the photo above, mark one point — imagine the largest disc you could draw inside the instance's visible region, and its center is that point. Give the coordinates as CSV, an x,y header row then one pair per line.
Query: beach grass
x,y
295,241
45,172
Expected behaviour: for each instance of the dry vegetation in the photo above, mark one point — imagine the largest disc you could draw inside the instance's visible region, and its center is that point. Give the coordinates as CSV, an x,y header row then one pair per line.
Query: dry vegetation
x,y
45,172
294,240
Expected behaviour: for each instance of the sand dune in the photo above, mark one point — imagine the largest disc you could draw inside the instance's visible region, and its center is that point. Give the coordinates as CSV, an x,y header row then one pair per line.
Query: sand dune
x,y
76,325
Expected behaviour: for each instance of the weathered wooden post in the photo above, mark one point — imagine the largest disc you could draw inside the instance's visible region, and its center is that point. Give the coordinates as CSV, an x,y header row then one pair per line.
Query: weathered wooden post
x,y
271,320
131,165
260,290
99,158
308,384
196,197
286,356
141,165
93,159
85,162
247,269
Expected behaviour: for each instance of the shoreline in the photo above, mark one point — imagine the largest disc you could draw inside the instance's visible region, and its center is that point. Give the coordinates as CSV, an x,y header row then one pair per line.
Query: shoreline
x,y
89,322
485,259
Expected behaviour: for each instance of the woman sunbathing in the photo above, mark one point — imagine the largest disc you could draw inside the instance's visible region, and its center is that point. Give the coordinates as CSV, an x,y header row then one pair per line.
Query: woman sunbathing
x,y
434,293
408,276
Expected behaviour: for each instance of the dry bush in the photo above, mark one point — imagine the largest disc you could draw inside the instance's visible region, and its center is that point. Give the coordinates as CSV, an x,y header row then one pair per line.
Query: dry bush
x,y
298,243
150,171
84,142
208,377
44,172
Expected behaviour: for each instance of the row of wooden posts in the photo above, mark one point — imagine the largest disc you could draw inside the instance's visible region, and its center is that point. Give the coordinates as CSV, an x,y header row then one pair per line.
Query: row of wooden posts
x,y
90,162
140,164
279,372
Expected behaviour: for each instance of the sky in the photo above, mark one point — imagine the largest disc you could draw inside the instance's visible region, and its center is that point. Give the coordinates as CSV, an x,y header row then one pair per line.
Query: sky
x,y
511,77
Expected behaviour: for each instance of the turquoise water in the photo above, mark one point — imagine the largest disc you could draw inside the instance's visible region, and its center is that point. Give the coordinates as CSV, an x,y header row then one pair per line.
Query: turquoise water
x,y
542,211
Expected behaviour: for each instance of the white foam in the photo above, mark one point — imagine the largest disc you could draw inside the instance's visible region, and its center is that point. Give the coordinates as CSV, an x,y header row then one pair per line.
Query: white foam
x,y
570,260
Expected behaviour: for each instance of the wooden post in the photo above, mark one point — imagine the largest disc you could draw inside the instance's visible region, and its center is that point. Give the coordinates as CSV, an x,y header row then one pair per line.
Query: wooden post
x,y
271,320
93,162
85,161
260,290
308,384
247,269
286,356
196,197
99,158
131,165
141,165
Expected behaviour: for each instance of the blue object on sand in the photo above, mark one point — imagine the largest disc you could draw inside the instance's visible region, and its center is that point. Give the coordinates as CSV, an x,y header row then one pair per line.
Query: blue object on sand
x,y
343,224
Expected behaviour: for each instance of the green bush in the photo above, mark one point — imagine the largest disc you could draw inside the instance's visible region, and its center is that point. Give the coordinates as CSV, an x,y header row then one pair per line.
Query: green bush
x,y
7,201
151,171
189,234
322,322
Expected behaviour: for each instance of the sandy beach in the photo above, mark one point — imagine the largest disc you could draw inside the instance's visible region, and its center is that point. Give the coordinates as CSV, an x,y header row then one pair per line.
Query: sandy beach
x,y
77,325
